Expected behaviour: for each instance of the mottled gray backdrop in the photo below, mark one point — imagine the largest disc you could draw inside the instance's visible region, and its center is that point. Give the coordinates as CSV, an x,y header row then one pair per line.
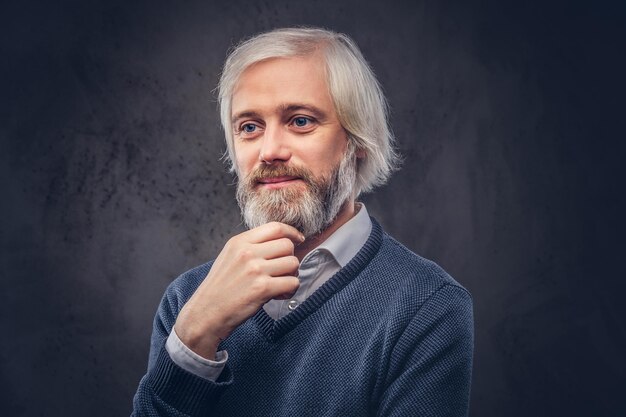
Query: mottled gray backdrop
x,y
510,118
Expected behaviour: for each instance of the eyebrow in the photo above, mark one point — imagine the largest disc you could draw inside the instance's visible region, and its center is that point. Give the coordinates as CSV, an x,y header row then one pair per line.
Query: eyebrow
x,y
245,115
282,109
292,108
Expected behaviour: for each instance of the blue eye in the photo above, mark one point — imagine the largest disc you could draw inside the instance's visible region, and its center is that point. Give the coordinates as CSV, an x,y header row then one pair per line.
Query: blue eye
x,y
301,121
248,128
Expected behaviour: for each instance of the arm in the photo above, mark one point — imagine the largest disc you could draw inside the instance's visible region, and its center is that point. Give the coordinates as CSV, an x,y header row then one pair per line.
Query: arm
x,y
167,389
253,268
430,367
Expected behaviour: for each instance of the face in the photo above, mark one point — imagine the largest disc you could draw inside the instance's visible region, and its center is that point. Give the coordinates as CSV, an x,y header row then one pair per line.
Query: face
x,y
292,154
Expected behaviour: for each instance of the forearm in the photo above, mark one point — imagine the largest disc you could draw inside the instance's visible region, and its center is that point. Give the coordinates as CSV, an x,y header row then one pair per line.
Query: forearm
x,y
167,389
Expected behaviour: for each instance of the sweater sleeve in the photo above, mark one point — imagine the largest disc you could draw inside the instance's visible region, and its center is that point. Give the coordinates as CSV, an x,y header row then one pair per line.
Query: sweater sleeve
x,y
167,389
430,368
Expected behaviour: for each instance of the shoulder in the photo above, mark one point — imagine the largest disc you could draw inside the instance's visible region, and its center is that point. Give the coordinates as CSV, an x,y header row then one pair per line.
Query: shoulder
x,y
398,255
414,280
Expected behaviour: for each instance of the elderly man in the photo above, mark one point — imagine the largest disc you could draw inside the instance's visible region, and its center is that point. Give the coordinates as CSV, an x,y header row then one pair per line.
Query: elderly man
x,y
314,310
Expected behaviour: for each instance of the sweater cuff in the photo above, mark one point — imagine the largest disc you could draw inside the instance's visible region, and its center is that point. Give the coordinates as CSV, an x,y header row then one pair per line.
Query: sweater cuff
x,y
184,391
192,362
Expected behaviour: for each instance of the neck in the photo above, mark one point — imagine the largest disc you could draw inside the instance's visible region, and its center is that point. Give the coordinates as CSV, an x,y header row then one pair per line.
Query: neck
x,y
345,214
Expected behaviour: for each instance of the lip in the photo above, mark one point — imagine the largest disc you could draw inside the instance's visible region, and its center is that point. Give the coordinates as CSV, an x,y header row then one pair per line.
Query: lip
x,y
275,182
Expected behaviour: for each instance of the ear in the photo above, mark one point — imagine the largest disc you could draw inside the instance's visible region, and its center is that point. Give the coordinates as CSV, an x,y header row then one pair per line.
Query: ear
x,y
360,153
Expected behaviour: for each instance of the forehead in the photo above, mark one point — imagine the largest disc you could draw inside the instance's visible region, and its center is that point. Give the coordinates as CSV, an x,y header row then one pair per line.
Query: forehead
x,y
279,83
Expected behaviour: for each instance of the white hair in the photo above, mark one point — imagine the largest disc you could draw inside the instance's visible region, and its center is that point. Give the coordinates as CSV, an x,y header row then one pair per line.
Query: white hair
x,y
357,96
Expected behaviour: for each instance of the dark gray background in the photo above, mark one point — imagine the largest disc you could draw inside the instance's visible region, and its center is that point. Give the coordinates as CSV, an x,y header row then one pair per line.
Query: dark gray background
x,y
510,119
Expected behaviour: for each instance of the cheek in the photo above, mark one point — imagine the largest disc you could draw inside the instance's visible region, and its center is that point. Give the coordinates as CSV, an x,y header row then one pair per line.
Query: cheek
x,y
331,149
337,153
325,162
244,160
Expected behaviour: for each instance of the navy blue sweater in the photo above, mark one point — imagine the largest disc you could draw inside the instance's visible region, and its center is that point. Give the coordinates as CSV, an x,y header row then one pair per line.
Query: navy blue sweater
x,y
391,334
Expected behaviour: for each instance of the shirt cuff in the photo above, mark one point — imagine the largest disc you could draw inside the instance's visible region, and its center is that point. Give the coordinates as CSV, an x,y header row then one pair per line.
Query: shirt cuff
x,y
190,361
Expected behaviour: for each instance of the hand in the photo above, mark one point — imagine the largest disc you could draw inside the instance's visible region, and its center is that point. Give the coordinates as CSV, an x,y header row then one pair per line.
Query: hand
x,y
253,268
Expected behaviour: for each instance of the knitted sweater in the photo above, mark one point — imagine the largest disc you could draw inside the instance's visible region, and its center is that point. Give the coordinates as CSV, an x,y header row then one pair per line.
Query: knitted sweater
x,y
391,334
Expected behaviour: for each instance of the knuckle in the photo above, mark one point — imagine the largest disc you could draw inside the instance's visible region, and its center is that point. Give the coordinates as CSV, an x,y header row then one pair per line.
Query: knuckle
x,y
260,286
254,269
245,255
275,227
295,283
294,262
287,244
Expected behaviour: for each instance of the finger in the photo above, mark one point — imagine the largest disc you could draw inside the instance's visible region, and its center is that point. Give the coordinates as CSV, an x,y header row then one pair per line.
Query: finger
x,y
272,231
285,266
274,248
281,286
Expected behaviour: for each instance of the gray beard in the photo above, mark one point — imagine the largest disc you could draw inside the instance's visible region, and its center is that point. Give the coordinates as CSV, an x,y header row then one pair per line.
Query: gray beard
x,y
310,211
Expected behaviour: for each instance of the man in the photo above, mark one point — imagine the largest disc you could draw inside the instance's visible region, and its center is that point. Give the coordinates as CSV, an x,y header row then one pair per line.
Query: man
x,y
314,310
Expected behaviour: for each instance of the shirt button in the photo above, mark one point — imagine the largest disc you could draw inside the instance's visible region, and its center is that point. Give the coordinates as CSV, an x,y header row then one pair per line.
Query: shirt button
x,y
292,305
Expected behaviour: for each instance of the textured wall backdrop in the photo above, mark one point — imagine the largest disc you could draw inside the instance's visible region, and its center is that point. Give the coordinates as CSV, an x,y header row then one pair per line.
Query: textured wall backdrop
x,y
510,119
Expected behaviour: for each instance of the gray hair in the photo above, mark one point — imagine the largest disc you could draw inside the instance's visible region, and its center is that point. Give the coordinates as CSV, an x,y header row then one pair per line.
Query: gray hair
x,y
357,96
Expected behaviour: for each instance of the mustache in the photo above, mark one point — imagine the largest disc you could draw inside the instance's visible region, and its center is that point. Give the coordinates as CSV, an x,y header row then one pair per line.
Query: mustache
x,y
267,171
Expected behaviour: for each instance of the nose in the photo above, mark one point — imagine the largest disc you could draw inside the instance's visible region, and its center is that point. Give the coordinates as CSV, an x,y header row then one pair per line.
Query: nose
x,y
274,145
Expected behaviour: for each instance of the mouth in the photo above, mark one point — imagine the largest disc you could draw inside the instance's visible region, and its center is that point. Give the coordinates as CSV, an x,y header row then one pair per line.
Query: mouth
x,y
277,182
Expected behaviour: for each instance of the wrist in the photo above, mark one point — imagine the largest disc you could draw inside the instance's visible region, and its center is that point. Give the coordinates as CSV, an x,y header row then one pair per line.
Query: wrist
x,y
204,344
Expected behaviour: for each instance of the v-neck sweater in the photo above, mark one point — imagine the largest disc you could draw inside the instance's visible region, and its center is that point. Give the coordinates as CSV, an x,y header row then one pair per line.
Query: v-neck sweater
x,y
390,334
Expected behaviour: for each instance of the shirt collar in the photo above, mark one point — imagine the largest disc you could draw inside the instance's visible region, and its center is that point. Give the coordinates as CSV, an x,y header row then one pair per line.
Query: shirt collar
x,y
344,244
